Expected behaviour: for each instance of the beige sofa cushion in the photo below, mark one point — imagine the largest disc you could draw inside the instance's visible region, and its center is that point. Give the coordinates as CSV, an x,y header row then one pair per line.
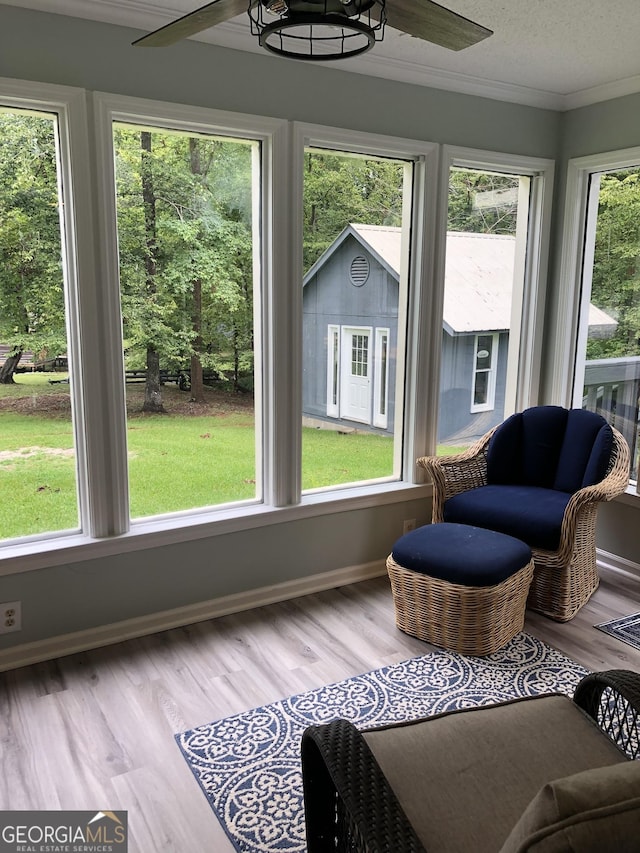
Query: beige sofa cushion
x,y
595,811
464,778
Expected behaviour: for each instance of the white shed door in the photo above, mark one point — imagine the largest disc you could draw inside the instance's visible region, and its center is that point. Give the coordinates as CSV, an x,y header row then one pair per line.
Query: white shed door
x,y
355,396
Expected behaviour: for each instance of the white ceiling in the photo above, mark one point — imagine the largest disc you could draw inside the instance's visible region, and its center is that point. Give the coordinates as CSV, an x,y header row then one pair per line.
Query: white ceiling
x,y
543,52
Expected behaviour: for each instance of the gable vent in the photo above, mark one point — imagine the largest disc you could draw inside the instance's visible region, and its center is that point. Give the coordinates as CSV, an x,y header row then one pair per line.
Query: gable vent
x,y
359,271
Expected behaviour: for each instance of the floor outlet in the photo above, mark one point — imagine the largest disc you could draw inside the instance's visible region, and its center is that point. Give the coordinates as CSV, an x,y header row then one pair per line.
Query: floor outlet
x,y
10,616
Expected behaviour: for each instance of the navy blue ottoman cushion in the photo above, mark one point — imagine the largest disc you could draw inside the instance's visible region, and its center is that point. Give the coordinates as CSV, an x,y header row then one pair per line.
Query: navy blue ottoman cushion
x,y
530,513
461,554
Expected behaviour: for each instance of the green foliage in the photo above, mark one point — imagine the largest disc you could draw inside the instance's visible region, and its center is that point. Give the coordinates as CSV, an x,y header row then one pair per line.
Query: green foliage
x,y
340,189
31,283
482,202
202,244
616,268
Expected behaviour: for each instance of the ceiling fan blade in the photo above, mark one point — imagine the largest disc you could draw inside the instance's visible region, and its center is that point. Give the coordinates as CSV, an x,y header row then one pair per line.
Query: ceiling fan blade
x,y
432,22
201,19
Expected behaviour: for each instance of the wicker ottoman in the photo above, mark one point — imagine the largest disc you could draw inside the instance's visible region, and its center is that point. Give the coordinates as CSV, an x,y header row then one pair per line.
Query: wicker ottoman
x,y
461,587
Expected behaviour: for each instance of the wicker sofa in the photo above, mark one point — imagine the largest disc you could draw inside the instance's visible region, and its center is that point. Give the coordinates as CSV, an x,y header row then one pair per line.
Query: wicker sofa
x,y
546,774
540,477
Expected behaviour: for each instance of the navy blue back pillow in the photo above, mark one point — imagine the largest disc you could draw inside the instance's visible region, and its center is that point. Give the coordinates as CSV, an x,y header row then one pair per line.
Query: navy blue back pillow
x,y
550,447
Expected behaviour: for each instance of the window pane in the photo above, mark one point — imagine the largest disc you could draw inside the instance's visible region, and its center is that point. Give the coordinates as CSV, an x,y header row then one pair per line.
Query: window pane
x,y
608,369
186,235
480,394
484,270
37,456
354,284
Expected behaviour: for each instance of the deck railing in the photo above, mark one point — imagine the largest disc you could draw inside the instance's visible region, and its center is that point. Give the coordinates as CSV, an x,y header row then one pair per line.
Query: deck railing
x,y
612,389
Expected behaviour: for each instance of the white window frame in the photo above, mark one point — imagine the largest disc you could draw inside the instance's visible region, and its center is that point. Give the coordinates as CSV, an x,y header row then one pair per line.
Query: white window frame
x,y
526,333
96,327
568,334
77,244
334,346
85,122
107,110
381,379
413,372
566,347
491,370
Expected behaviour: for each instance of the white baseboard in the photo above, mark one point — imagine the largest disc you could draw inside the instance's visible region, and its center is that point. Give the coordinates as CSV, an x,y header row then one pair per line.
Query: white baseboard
x,y
105,635
614,563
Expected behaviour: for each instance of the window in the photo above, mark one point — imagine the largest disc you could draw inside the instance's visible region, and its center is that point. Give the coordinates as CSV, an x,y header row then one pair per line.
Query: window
x,y
484,379
382,381
492,309
185,210
333,371
250,314
38,444
604,246
356,210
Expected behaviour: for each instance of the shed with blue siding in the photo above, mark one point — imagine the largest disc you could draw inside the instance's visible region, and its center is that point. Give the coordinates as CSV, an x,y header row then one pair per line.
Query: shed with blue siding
x,y
350,332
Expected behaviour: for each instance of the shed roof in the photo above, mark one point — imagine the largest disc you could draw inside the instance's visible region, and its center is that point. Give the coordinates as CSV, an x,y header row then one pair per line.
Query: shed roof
x,y
478,276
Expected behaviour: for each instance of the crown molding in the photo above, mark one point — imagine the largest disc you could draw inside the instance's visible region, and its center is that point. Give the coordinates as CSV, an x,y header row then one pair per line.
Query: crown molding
x,y
435,78
605,92
144,15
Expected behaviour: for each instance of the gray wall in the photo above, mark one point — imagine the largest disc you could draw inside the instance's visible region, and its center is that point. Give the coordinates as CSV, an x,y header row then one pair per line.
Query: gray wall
x,y
58,49
51,48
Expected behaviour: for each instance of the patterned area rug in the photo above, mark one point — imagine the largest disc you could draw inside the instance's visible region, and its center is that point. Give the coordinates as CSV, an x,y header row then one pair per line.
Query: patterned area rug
x,y
248,766
626,629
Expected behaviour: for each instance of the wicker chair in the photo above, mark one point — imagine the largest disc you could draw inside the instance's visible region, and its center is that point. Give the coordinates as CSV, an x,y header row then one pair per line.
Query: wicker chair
x,y
545,774
565,577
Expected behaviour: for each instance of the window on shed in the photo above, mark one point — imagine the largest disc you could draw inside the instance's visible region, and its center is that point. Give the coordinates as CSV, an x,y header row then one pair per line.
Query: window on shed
x,y
484,380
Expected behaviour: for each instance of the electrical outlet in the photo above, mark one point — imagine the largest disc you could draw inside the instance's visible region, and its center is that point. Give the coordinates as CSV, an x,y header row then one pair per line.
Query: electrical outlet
x,y
408,524
10,616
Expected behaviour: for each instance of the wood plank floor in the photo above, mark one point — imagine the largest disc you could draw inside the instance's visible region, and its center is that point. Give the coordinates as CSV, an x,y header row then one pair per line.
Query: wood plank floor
x,y
95,730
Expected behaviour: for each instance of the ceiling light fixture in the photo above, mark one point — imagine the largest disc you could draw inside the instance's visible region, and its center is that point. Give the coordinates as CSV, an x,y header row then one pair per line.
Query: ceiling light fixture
x,y
319,30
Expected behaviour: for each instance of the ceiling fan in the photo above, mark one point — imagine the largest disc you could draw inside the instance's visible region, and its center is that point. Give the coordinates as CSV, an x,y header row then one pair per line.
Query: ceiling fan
x,y
326,29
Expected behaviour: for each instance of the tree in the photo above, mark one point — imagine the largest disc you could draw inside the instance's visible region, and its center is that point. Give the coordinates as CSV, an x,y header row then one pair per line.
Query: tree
x,y
340,189
616,268
482,202
199,236
152,393
32,313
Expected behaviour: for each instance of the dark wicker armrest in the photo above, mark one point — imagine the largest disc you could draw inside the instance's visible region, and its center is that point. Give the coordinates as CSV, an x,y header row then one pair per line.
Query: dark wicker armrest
x,y
612,699
349,805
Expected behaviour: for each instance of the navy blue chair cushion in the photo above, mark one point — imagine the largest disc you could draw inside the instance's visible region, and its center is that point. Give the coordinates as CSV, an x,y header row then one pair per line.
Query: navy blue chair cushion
x,y
530,513
461,554
525,449
551,448
585,453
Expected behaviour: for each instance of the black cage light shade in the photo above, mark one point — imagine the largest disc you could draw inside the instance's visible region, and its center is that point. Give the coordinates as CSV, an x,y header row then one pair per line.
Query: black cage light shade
x,y
318,30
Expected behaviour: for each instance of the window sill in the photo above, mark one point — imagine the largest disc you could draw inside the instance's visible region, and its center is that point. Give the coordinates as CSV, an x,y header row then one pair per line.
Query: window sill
x,y
629,497
54,551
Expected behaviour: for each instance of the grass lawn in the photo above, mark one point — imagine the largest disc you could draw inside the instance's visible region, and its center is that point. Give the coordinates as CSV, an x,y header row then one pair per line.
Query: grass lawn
x,y
195,456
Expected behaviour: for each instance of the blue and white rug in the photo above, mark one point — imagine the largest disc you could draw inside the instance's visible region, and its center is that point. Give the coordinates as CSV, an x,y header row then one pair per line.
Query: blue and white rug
x,y
626,629
248,766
